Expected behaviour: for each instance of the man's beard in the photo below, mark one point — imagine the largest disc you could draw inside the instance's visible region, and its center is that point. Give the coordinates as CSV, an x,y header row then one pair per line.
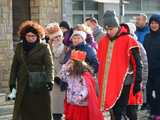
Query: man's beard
x,y
58,49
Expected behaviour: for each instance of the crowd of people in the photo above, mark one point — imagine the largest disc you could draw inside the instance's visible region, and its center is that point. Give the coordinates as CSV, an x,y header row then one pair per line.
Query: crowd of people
x,y
85,71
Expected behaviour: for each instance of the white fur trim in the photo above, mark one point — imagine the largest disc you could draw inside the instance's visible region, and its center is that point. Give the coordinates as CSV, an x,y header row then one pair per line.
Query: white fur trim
x,y
132,27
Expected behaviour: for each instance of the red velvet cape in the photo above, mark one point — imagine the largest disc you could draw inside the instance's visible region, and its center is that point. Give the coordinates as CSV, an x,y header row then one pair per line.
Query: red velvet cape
x,y
118,67
93,111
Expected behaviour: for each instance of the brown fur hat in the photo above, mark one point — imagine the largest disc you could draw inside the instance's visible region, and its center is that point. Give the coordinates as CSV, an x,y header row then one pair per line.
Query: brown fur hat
x,y
31,26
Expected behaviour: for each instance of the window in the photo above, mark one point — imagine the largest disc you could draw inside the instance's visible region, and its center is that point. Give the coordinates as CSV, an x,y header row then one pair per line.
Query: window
x,y
89,5
140,6
77,4
150,5
133,5
77,19
143,5
83,9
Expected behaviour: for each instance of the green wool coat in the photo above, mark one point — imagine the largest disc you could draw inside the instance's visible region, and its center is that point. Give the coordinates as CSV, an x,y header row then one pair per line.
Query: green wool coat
x,y
29,105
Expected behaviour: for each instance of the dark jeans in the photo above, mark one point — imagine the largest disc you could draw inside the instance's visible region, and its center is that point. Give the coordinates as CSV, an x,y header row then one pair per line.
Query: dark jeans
x,y
154,103
132,112
57,116
120,107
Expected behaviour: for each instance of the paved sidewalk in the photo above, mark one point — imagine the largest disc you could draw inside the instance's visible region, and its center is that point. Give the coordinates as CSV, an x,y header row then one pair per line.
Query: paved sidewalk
x,y
142,115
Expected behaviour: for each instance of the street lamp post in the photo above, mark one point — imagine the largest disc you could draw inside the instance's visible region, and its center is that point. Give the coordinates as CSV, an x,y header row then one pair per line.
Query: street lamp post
x,y
121,10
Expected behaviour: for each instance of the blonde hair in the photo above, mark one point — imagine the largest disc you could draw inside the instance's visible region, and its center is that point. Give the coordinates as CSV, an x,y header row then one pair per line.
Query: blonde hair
x,y
84,28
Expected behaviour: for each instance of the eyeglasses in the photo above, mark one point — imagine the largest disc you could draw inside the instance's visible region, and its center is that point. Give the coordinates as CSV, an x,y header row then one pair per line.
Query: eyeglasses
x,y
56,37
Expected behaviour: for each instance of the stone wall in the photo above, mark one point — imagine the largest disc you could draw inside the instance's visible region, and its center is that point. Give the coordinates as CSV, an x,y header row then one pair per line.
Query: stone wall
x,y
35,8
6,42
46,11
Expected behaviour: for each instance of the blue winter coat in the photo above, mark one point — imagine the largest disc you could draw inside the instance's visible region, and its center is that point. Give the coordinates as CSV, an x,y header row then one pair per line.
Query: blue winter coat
x,y
141,32
91,58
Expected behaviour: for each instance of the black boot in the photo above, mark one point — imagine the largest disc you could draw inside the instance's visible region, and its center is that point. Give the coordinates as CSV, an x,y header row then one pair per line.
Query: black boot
x,y
145,106
57,116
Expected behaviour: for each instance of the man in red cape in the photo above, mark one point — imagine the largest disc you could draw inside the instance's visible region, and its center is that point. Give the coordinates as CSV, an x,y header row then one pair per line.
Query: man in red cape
x,y
116,50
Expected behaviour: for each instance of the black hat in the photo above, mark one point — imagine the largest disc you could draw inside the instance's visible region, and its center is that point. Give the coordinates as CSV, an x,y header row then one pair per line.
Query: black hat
x,y
64,24
155,17
32,30
109,19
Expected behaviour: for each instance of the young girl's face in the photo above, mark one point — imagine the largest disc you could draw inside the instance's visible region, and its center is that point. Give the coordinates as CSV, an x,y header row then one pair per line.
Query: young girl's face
x,y
70,64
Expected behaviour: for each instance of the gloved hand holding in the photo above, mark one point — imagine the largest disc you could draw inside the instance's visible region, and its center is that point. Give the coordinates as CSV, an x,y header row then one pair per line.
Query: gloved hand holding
x,y
63,85
12,95
154,94
49,86
57,80
136,88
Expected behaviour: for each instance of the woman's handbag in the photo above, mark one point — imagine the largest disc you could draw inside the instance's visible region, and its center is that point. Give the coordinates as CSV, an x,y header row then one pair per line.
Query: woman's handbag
x,y
37,80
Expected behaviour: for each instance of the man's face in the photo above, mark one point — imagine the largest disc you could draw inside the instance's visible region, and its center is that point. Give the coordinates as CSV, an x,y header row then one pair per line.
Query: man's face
x,y
111,31
140,21
55,40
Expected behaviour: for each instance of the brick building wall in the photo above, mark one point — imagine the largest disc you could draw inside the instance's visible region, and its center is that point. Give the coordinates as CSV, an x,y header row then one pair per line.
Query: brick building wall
x,y
6,43
46,11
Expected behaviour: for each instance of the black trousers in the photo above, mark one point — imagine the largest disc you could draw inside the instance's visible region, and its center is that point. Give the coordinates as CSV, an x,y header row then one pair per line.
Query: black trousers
x,y
119,110
132,112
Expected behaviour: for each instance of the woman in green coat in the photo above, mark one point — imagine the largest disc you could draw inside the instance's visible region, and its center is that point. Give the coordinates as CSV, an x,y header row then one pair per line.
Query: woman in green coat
x,y
31,56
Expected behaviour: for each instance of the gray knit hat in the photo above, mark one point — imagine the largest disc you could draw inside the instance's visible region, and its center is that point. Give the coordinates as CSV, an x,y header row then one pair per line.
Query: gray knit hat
x,y
110,19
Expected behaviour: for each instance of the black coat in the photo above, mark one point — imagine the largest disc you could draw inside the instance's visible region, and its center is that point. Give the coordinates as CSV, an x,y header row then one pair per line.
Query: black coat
x,y
152,46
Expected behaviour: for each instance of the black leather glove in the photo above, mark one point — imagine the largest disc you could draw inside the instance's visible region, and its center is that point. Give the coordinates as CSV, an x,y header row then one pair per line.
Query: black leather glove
x,y
63,85
11,87
57,80
136,88
49,86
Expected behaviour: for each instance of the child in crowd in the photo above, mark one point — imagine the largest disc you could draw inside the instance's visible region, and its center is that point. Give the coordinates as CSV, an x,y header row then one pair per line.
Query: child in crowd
x,y
81,101
89,35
